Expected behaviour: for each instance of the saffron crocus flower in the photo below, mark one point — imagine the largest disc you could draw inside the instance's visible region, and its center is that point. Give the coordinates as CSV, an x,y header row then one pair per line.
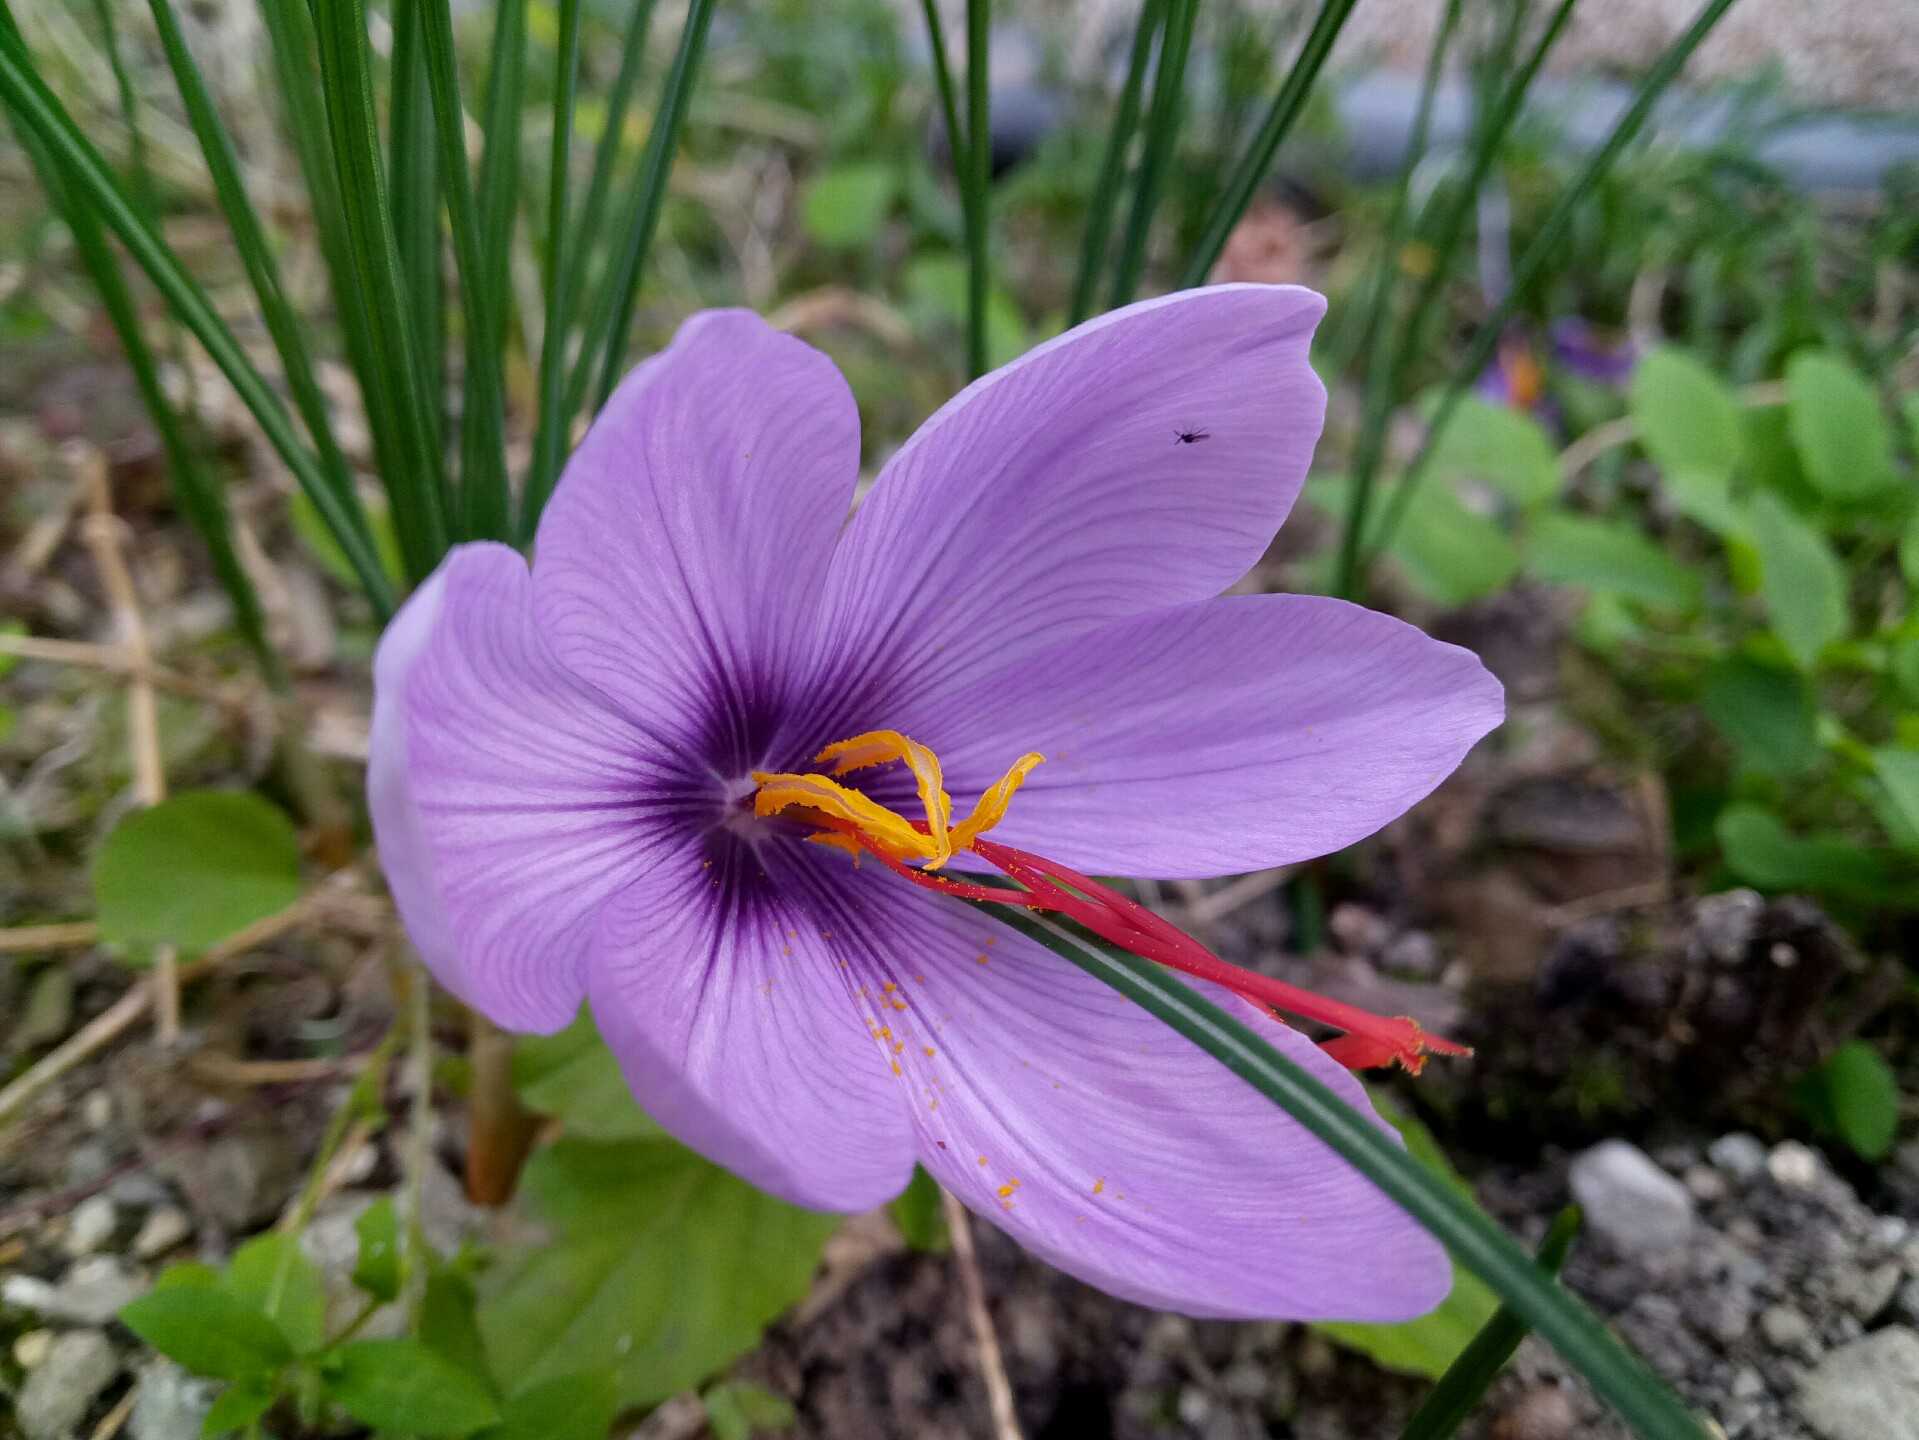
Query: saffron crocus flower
x,y
603,778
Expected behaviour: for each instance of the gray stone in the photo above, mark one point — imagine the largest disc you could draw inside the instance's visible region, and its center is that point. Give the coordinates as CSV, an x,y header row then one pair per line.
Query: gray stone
x,y
1867,1292
1748,1384
1542,1413
31,1348
92,1225
1739,1155
96,1111
1634,1205
1868,1390
91,1293
1793,1166
1725,924
168,1403
1787,1329
1357,930
1705,1184
1414,953
163,1229
63,1387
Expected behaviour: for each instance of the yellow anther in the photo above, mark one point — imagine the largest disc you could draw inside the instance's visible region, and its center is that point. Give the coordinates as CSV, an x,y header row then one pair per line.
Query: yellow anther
x,y
885,829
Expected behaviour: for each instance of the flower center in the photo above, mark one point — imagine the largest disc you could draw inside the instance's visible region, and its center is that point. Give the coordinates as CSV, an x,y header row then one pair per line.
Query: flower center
x,y
855,822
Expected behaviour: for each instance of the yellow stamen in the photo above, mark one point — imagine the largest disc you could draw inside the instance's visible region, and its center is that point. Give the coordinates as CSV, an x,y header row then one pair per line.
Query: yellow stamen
x,y
888,830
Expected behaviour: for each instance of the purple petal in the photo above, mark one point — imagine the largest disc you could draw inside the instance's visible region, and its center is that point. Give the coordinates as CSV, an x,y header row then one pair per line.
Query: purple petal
x,y
508,801
1209,739
1056,494
722,983
1118,1150
680,561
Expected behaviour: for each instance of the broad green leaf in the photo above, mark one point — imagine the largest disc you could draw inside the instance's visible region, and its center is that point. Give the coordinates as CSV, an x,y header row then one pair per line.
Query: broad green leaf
x,y
377,1268
272,1274
1909,407
1839,427
1767,713
1689,419
846,205
664,1267
1611,556
1506,448
1705,499
208,1332
1762,852
919,1214
407,1387
1772,458
1905,667
1898,771
449,1322
1909,552
1452,554
1855,1096
1428,1345
194,869
314,534
739,1410
574,1077
235,1408
567,1407
937,284
1802,582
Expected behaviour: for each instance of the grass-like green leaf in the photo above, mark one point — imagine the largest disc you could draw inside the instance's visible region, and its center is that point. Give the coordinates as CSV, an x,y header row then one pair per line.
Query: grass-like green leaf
x,y
613,308
550,433
1534,260
414,169
200,496
584,241
1112,167
976,181
417,485
1287,105
1467,1379
1614,1373
256,255
91,183
1162,132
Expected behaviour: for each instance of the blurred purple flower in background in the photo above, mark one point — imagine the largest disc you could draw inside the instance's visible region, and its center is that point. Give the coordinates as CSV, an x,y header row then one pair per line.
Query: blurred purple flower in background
x,y
566,761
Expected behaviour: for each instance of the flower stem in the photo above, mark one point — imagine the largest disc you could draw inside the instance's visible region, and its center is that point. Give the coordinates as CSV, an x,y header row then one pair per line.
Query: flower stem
x,y
1618,1376
1099,215
500,1129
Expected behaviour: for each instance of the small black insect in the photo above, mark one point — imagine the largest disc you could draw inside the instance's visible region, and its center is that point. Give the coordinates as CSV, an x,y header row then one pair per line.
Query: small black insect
x,y
1191,437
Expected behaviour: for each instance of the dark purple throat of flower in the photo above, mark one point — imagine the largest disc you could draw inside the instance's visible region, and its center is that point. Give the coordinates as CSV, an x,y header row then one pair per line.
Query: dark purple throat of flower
x,y
918,849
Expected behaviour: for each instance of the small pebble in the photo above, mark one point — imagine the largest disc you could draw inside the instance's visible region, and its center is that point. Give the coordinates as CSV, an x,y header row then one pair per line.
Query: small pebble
x,y
1786,1329
92,1225
1792,1165
96,1111
163,1229
1543,1413
1741,1156
31,1348
1748,1384
1706,1184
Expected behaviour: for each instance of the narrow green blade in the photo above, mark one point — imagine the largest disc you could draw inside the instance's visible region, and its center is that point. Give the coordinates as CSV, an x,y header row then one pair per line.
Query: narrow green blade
x,y
1112,169
1618,1376
1467,1379
90,183
1286,108
1162,131
415,168
199,493
549,439
977,179
613,312
256,255
417,486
